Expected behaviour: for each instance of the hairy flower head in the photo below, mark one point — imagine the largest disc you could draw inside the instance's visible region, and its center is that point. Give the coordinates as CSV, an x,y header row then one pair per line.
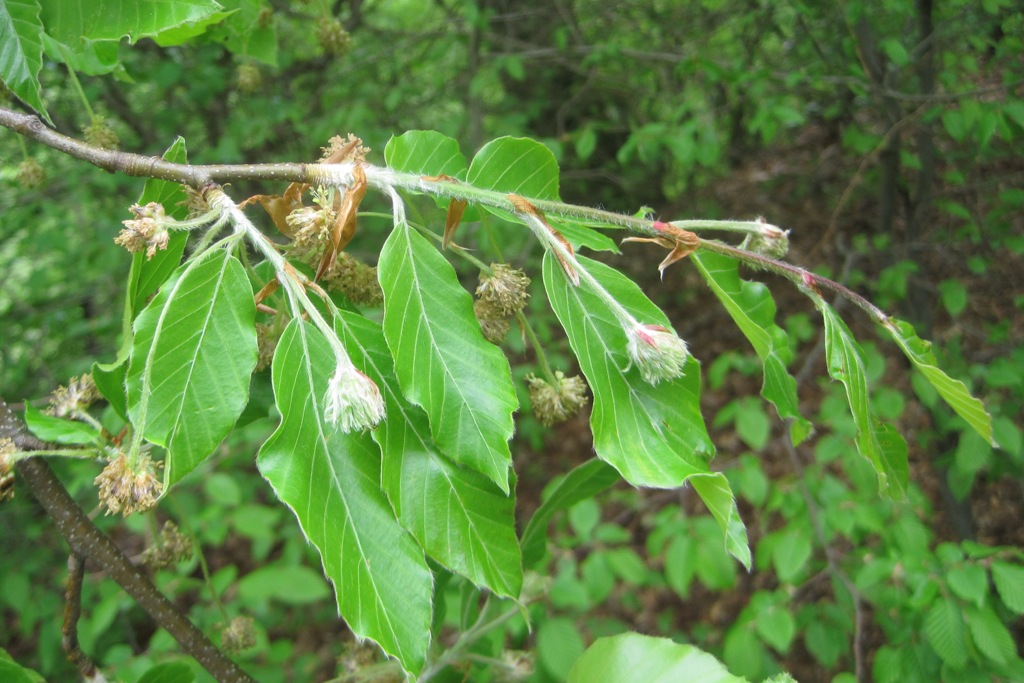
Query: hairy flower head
x,y
169,549
506,289
355,279
238,635
768,240
353,400
552,404
127,487
8,453
657,352
147,231
79,394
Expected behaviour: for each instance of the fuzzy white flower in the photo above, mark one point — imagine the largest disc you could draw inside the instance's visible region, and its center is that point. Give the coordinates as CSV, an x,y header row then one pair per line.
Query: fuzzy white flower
x,y
353,400
657,351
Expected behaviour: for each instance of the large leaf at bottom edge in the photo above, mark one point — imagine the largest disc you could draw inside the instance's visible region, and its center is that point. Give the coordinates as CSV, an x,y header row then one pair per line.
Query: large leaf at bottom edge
x,y
635,657
193,353
653,434
330,481
459,516
882,445
442,360
953,391
751,307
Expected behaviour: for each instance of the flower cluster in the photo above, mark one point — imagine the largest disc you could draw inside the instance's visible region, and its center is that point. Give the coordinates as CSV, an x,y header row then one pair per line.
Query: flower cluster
x,y
657,352
333,38
238,635
129,486
171,548
7,459
499,297
355,279
147,231
553,404
79,394
353,400
100,134
31,174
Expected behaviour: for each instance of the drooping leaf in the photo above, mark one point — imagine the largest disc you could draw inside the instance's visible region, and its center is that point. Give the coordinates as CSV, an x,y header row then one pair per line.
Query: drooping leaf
x,y
21,51
442,360
953,392
70,20
58,429
456,514
882,445
584,481
944,628
635,657
193,352
653,435
330,480
527,168
752,308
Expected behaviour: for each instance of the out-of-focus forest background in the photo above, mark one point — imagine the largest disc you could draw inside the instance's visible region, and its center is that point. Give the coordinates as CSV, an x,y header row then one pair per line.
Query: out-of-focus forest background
x,y
888,136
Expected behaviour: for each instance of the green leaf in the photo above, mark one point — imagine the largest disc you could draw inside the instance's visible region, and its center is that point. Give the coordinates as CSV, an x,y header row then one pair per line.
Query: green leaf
x,y
527,168
880,444
991,635
559,646
293,585
653,435
790,554
169,672
193,353
330,480
21,51
953,391
944,627
753,310
12,672
68,22
425,152
969,582
59,429
777,627
581,483
457,515
634,657
442,360
1009,580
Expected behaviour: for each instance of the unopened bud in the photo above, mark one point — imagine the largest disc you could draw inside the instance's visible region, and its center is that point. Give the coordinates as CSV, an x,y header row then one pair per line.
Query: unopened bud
x,y
657,352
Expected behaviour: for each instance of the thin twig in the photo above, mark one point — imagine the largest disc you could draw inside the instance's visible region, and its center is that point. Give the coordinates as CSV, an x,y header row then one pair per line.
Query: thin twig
x,y
72,611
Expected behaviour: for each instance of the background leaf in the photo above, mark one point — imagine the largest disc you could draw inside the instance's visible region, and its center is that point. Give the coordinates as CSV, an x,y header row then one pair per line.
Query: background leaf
x,y
442,360
193,353
753,310
21,51
583,482
944,628
456,514
882,445
953,392
330,480
653,435
634,657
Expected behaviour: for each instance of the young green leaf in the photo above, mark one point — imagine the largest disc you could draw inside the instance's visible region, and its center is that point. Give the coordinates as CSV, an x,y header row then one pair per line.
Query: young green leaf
x,y
193,353
953,392
635,657
456,514
114,19
425,152
527,168
21,51
752,308
882,445
59,429
330,480
442,360
582,482
653,434
944,628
